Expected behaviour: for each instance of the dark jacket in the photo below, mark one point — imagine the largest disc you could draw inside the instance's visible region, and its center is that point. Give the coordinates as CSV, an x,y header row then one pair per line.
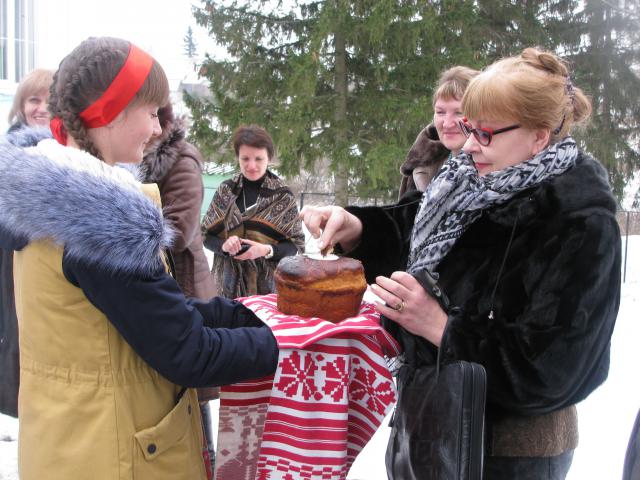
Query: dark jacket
x,y
16,126
176,166
9,354
554,303
632,457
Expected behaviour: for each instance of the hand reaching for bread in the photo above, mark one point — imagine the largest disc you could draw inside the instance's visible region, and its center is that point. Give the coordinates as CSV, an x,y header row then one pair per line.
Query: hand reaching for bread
x,y
312,246
332,225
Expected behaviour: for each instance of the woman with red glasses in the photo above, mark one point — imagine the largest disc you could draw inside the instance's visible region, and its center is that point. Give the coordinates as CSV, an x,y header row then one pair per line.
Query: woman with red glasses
x,y
520,230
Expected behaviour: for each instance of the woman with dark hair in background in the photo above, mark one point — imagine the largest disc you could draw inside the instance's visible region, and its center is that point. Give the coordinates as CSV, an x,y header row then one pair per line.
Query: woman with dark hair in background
x,y
252,221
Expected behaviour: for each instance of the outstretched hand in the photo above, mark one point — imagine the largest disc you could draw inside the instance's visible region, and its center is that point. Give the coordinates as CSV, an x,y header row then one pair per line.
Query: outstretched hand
x,y
332,225
410,306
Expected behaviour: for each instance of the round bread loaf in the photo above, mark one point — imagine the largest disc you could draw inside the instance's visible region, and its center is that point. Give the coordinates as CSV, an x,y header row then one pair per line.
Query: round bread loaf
x,y
328,289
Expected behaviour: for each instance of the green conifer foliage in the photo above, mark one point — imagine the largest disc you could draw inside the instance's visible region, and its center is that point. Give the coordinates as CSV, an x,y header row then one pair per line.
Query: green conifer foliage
x,y
350,81
606,57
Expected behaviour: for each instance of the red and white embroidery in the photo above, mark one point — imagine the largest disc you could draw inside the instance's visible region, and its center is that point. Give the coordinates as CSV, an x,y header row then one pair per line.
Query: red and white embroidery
x,y
331,391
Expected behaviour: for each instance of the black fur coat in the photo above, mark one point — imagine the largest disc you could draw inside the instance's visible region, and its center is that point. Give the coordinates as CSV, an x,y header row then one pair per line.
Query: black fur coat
x,y
555,301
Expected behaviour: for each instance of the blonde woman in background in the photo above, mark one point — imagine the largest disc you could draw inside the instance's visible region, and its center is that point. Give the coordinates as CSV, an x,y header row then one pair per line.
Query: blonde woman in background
x,y
29,109
30,102
442,138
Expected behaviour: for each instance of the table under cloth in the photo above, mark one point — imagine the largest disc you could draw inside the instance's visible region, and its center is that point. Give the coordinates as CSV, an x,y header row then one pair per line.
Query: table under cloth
x,y
331,391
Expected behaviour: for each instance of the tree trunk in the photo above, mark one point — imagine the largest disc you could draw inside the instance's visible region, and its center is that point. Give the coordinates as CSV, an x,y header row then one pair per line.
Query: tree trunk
x,y
341,187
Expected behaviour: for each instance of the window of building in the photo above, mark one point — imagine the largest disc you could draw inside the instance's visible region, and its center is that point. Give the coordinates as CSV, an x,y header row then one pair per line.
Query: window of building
x,y
17,39
4,39
24,38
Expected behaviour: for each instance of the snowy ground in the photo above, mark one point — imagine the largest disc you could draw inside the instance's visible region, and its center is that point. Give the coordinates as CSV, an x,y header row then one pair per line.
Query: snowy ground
x,y
606,417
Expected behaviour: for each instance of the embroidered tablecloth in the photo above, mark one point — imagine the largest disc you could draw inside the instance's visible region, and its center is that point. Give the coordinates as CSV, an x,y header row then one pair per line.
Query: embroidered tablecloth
x,y
330,392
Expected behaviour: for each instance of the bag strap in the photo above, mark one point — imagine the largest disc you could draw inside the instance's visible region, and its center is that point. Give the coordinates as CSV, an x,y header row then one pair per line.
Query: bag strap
x,y
430,284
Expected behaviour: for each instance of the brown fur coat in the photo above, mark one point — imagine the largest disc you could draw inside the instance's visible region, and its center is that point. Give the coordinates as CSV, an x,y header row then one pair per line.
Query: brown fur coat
x,y
427,151
176,166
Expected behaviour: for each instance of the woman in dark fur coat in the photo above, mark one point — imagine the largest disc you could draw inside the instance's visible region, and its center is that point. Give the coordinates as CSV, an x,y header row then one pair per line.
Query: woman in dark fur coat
x,y
521,231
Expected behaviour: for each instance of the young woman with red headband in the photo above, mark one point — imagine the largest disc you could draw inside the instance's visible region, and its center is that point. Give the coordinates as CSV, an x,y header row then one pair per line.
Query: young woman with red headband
x,y
110,347
520,231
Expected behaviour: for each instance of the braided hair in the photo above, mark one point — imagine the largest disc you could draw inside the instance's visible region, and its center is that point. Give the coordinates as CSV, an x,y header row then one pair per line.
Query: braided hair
x,y
85,74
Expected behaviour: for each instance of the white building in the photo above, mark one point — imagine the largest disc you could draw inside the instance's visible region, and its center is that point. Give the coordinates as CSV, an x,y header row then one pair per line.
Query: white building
x,y
18,49
39,33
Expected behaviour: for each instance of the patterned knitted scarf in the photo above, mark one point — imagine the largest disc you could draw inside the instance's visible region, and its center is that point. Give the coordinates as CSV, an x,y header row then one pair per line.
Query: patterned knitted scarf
x,y
458,195
275,219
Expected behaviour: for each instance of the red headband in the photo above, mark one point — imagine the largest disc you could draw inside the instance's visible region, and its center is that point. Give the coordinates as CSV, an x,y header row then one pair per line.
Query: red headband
x,y
123,88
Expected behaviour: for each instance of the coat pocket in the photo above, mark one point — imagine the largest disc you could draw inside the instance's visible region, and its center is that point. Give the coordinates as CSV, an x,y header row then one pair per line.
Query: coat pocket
x,y
172,449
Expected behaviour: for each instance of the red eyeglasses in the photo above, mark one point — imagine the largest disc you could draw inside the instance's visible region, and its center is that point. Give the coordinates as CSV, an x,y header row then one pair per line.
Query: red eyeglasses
x,y
482,135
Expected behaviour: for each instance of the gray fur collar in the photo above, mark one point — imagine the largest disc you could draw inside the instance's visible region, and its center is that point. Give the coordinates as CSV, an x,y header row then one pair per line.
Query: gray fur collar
x,y
27,137
97,212
164,151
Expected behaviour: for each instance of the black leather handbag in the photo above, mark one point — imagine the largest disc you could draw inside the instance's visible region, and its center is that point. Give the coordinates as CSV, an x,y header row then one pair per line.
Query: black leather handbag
x,y
437,429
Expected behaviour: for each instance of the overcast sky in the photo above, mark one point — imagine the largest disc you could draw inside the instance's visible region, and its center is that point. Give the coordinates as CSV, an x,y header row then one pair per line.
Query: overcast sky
x,y
157,26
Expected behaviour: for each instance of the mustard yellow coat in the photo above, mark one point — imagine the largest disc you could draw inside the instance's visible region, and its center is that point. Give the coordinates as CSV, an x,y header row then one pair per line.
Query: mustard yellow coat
x,y
89,406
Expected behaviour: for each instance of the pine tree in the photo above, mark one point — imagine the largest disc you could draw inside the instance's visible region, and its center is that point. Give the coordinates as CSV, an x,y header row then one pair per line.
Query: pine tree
x,y
350,81
606,58
189,44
